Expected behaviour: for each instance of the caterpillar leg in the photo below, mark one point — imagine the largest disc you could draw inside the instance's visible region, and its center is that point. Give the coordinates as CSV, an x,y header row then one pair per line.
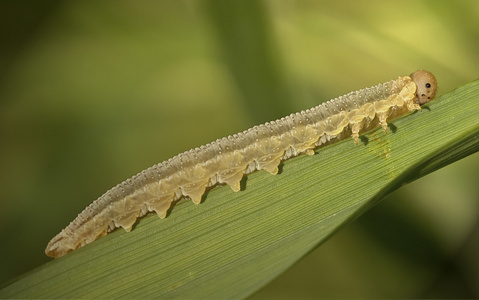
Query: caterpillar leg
x,y
355,128
162,209
411,106
383,121
357,123
197,194
160,206
236,186
272,166
233,180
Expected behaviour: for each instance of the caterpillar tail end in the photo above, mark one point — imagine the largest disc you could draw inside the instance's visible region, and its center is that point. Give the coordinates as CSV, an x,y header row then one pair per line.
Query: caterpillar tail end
x,y
59,246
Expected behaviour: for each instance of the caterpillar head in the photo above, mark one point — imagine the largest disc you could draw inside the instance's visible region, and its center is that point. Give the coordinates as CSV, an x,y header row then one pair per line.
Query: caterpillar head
x,y
426,86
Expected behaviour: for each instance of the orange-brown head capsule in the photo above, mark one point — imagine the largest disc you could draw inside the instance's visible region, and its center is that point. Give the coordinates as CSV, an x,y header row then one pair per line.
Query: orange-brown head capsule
x,y
426,86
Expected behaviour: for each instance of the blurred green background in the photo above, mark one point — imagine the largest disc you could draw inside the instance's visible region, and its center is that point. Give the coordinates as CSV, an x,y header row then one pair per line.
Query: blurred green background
x,y
92,92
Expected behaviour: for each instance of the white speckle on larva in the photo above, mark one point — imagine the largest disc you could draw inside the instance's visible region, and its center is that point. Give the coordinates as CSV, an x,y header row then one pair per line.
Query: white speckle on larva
x,y
226,160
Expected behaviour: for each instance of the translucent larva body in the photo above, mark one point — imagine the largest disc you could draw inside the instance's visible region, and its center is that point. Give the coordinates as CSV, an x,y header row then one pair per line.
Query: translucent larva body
x,y
227,160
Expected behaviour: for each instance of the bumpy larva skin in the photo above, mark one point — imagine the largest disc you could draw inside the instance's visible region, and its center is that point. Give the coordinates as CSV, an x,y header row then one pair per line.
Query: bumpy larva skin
x,y
226,160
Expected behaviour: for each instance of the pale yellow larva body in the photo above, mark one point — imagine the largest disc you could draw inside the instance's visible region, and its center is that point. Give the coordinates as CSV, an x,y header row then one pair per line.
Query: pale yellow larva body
x,y
227,160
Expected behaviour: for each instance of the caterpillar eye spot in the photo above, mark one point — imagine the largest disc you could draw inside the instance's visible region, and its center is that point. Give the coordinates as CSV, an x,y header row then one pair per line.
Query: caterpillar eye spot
x,y
428,85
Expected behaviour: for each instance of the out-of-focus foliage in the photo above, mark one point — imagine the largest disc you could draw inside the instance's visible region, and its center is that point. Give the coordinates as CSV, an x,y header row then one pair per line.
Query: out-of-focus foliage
x,y
93,92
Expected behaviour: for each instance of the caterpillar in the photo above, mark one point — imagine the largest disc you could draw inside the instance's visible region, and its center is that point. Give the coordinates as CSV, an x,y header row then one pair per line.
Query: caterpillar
x,y
227,160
